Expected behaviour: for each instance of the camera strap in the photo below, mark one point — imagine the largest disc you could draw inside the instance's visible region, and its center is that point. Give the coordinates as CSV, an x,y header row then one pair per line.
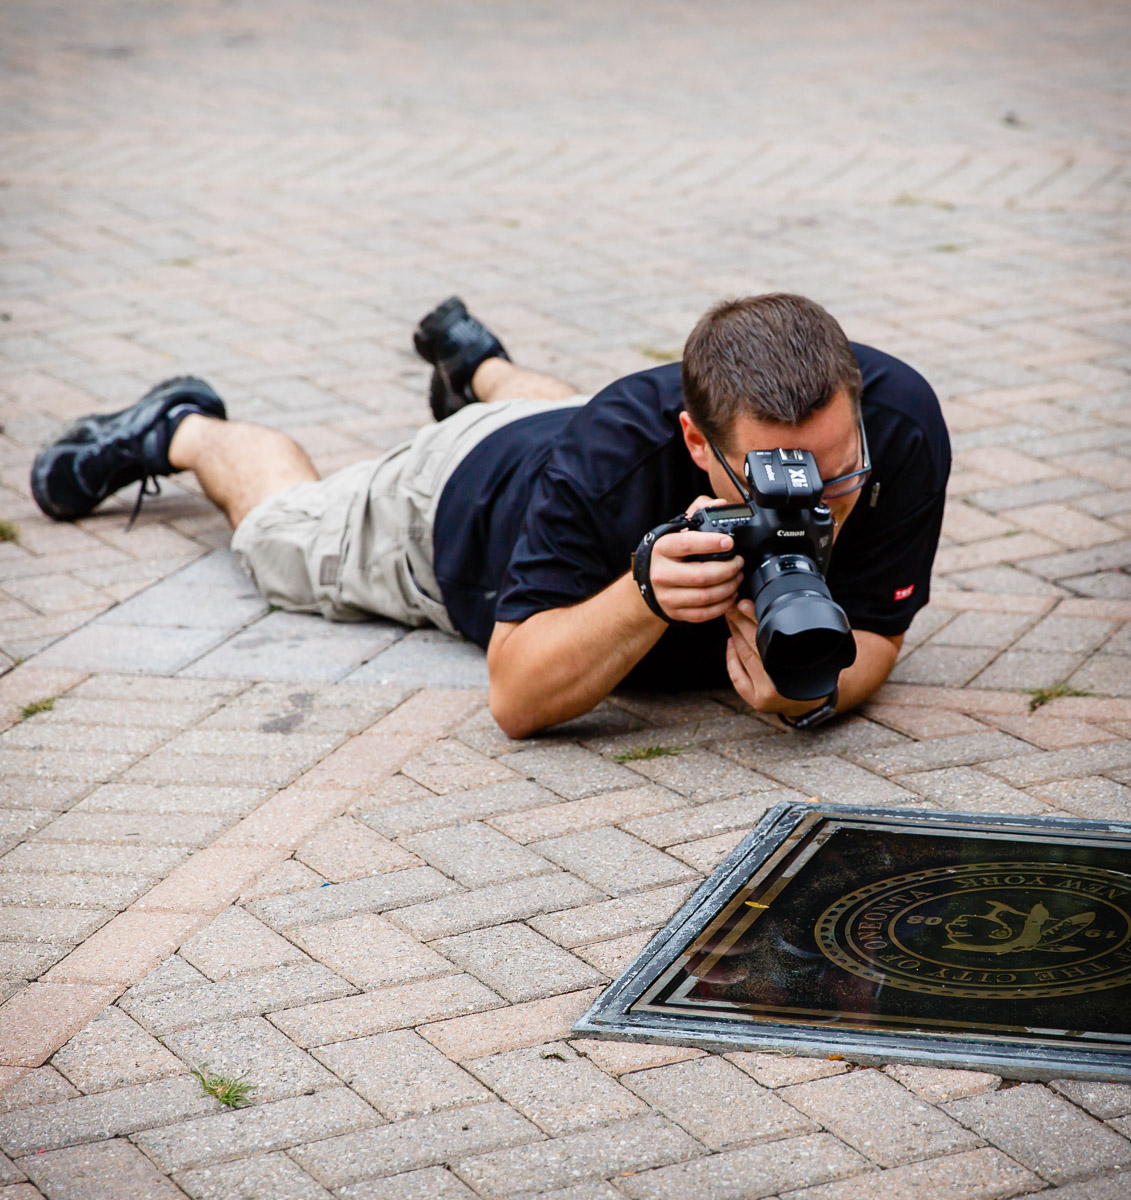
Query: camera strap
x,y
642,561
817,716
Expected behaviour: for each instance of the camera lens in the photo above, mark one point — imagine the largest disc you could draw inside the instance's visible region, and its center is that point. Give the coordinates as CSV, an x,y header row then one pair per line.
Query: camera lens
x,y
804,638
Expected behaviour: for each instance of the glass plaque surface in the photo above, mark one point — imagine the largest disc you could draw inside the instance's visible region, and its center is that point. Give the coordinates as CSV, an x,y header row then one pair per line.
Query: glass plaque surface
x,y
891,935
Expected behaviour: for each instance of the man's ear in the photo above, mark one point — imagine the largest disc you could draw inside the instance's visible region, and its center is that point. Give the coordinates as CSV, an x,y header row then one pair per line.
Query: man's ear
x,y
696,442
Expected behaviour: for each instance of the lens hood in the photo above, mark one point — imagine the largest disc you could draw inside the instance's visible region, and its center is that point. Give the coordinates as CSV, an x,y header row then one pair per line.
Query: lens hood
x,y
804,638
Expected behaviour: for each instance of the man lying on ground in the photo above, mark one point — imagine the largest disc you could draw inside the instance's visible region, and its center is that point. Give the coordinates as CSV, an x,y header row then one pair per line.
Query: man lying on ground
x,y
513,520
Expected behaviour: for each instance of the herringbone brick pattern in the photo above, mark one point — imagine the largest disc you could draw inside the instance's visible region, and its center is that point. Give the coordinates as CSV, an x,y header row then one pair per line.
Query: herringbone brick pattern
x,y
249,842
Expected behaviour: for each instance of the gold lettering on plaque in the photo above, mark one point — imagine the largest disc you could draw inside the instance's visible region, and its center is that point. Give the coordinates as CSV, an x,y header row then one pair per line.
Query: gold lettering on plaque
x,y
1064,929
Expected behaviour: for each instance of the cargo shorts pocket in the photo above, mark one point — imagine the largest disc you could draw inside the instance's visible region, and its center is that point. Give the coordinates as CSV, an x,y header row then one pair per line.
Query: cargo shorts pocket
x,y
294,547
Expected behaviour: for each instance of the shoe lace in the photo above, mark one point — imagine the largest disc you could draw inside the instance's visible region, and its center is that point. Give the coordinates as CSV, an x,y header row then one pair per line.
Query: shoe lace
x,y
143,490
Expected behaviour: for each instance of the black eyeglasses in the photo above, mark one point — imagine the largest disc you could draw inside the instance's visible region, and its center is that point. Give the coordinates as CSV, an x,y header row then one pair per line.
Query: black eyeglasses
x,y
845,485
834,489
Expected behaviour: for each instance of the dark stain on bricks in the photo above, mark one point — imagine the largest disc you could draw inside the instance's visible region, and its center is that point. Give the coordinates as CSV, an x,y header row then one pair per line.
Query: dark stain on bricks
x,y
288,722
112,52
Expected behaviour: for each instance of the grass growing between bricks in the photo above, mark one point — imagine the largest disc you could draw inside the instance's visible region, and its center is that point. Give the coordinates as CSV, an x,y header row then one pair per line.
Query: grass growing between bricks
x,y
233,1091
659,353
642,752
37,706
1041,696
9,531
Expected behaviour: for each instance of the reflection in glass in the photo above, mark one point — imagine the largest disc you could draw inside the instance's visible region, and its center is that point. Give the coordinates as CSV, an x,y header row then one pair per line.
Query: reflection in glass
x,y
959,931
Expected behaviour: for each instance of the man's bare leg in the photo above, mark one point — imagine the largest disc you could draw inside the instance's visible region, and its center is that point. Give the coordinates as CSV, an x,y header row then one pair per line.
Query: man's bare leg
x,y
500,379
238,464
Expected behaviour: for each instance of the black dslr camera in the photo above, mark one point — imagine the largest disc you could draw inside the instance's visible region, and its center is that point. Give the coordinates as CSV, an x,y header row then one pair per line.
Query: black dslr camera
x,y
785,536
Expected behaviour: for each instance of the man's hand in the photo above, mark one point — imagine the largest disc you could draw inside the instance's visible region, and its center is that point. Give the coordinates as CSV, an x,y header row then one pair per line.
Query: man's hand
x,y
875,657
559,663
744,665
694,591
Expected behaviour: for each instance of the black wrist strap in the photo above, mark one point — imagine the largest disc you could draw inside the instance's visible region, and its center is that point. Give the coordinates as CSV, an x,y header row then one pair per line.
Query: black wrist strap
x,y
818,716
642,562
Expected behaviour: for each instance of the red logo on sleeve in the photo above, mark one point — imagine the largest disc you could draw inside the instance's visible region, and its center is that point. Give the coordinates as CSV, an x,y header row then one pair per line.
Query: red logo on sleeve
x,y
903,593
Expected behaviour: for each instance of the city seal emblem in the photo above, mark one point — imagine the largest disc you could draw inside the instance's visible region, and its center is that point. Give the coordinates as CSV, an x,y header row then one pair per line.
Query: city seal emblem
x,y
996,930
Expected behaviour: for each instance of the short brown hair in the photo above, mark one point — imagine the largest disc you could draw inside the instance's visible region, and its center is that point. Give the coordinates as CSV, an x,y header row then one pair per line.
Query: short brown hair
x,y
777,357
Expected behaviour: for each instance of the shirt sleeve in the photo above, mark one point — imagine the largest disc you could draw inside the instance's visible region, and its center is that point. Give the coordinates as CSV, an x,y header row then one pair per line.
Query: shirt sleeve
x,y
561,556
883,579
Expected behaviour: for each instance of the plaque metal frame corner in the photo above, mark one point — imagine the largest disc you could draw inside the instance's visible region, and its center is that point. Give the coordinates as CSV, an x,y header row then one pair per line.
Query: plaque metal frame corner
x,y
610,1018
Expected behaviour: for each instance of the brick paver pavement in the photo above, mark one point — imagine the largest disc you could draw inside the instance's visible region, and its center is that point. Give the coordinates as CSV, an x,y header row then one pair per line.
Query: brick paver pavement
x,y
255,843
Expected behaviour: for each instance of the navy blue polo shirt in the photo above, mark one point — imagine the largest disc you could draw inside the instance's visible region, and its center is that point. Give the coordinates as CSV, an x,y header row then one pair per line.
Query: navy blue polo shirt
x,y
546,512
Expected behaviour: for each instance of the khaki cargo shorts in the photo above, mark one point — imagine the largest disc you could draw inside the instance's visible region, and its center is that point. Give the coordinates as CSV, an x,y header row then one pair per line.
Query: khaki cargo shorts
x,y
359,542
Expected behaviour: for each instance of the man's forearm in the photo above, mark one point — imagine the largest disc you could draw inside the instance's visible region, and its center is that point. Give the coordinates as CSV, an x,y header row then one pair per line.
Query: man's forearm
x,y
560,663
875,657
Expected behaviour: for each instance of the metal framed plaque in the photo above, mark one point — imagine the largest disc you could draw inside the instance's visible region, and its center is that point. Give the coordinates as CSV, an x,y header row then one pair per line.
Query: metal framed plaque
x,y
898,935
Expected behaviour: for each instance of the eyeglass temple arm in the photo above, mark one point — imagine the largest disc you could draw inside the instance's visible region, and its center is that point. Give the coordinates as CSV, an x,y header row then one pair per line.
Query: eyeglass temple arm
x,y
747,496
733,477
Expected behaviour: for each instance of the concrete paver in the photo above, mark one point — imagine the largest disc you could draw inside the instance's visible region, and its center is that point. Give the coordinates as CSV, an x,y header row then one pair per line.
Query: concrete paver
x,y
265,991
556,1088
401,1075
114,1051
416,809
38,1086
235,943
751,1173
414,1143
370,951
621,1148
517,962
304,851
528,1023
101,1171
374,894
263,1175
252,1048
1103,1100
114,1113
345,849
495,904
397,1007
612,860
717,1103
428,1183
476,855
1043,1132
259,1127
985,1174
876,1116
